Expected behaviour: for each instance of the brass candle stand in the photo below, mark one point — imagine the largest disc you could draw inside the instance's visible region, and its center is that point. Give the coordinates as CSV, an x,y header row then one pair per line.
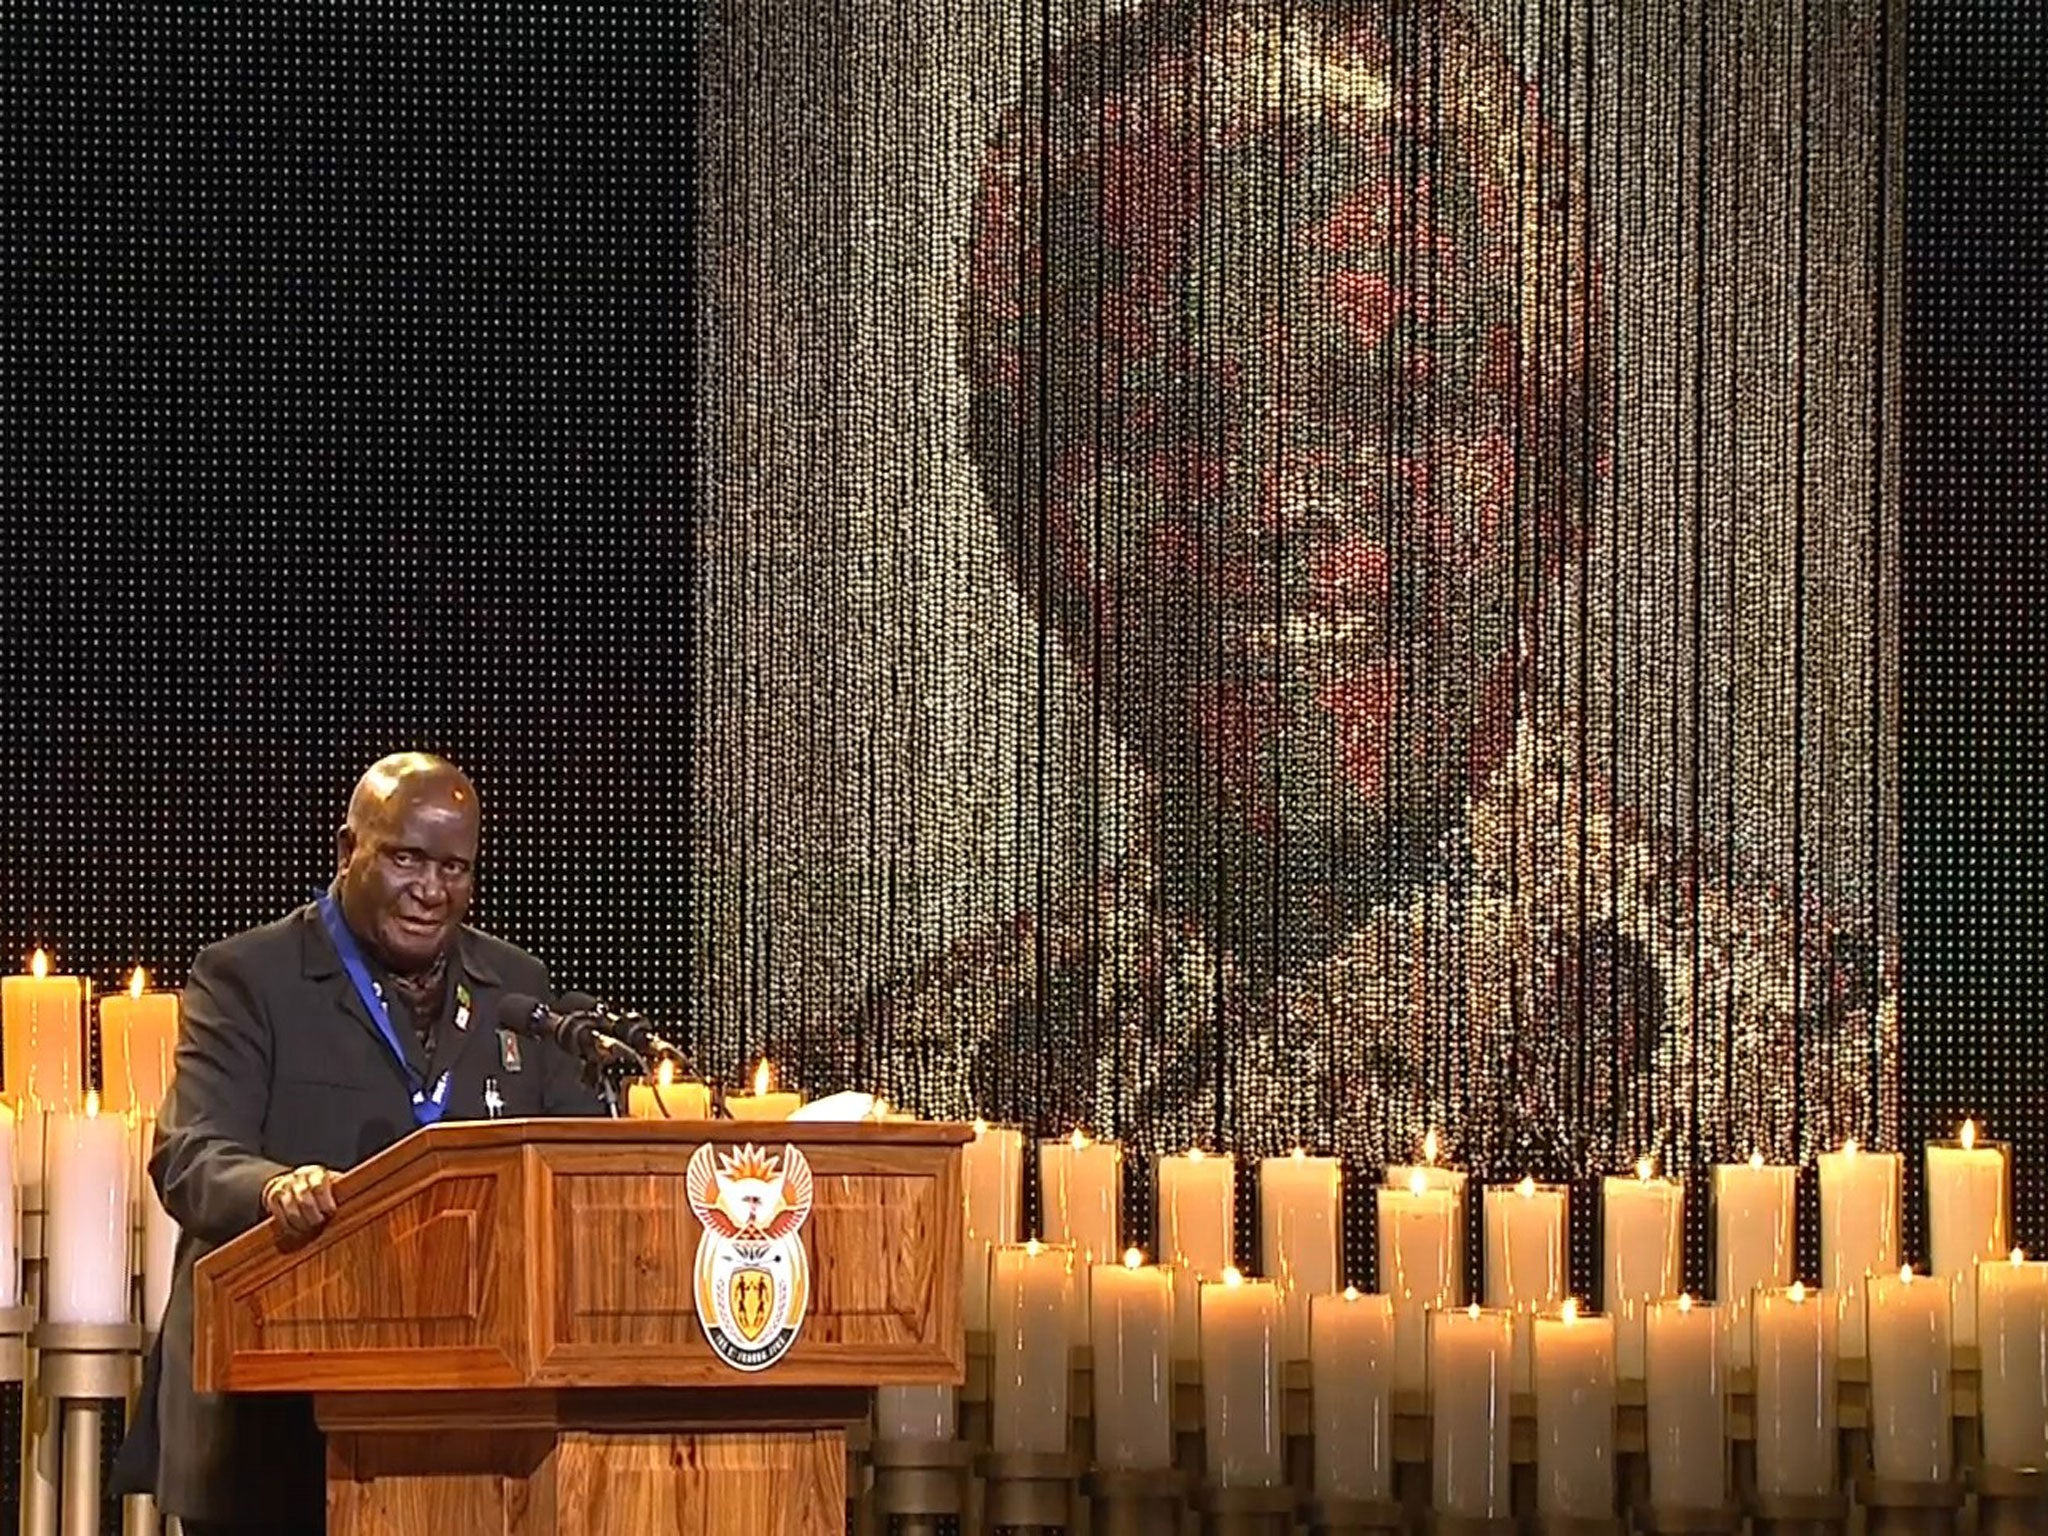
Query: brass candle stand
x,y
1473,1525
1909,1509
919,1484
1409,1430
41,1475
1133,1503
1298,1427
1355,1517
975,1425
1777,1515
1522,1455
1081,1430
1581,1525
1189,1441
1027,1491
1247,1511
2011,1503
1966,1392
81,1367
1691,1522
1740,1401
1632,1446
1852,1414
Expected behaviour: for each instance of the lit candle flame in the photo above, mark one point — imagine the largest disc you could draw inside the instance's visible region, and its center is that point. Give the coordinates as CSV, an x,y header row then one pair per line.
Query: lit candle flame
x,y
1033,1247
1195,1154
1643,1166
1077,1141
1233,1276
92,1103
1685,1301
138,982
1133,1259
1299,1154
1797,1293
1527,1188
980,1126
1351,1293
39,964
1570,1310
1756,1159
2018,1257
1417,1184
665,1074
1473,1311
1906,1274
1429,1147
764,1078
1969,1135
1849,1147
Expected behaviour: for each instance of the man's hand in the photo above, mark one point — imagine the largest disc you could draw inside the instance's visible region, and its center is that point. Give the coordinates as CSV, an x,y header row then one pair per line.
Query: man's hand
x,y
301,1200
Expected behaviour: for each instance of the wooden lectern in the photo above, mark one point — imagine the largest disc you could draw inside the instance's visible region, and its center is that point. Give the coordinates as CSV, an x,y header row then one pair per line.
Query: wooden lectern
x,y
499,1331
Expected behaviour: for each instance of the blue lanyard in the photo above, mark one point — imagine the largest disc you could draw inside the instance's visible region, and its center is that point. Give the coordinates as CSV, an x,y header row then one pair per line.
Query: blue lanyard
x,y
427,1104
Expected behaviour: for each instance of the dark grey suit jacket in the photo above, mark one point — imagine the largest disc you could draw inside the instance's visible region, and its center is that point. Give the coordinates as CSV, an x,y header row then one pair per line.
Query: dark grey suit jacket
x,y
279,1064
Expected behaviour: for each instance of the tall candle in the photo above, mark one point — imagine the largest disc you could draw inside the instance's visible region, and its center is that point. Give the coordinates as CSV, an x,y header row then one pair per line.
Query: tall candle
x,y
1754,1204
1574,1414
1796,1432
1187,1312
1418,1252
921,1414
1081,1191
1032,1295
91,1217
766,1102
1351,1350
992,1186
1859,1232
1131,1329
1198,1211
1642,1256
42,1032
159,1256
1246,1436
1433,1174
2012,1330
1969,1200
1525,1273
1687,1414
10,1208
1911,1357
138,1037
1471,1355
1301,1240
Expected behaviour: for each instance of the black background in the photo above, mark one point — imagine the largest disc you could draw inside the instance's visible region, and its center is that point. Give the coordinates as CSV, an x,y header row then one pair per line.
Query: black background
x,y
347,409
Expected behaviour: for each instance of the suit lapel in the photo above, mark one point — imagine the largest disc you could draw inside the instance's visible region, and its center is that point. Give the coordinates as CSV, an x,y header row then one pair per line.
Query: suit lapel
x,y
474,971
322,964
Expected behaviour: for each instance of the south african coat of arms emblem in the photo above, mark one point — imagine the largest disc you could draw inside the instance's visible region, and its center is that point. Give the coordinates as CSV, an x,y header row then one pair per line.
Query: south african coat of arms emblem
x,y
753,1278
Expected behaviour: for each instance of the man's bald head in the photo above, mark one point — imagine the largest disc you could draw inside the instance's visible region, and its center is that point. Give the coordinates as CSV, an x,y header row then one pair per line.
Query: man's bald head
x,y
406,857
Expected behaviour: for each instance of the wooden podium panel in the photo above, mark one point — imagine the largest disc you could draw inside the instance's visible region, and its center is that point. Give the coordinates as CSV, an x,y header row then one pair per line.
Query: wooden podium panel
x,y
499,1328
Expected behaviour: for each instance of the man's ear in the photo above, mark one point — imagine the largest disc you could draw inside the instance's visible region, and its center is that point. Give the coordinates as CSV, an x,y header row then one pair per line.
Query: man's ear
x,y
344,846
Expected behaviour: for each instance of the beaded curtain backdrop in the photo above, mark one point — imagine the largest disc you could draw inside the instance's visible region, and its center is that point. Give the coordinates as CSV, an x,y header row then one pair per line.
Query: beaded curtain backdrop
x,y
1294,573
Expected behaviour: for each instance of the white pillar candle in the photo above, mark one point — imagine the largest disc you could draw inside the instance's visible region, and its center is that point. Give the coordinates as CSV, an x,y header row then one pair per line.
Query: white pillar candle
x,y
1031,1302
138,1037
1796,1445
1301,1240
1198,1211
1435,1175
1081,1192
2012,1330
42,1028
766,1102
1911,1357
1642,1222
1969,1198
1246,1436
159,1257
91,1217
1471,1354
1859,1232
922,1414
1525,1256
1574,1414
1131,1329
667,1099
1418,1249
10,1208
1351,1347
1687,1415
1754,1203
992,1189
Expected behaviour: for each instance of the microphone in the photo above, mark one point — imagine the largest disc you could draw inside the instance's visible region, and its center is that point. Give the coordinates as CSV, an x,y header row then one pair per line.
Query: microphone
x,y
636,1031
575,1025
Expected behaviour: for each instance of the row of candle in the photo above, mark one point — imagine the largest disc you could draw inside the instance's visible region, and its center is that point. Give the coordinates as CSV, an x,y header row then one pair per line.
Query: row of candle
x,y
1356,1375
1421,1211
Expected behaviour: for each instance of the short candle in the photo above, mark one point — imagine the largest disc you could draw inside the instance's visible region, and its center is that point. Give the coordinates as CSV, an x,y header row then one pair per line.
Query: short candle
x,y
1574,1414
1246,1435
2012,1329
1796,1434
1687,1414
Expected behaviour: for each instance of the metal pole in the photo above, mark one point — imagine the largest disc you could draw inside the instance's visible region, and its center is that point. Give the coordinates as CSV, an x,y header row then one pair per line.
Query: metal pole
x,y
81,1431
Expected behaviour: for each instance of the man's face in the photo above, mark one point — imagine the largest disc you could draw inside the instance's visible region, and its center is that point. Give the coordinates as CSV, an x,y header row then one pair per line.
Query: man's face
x,y
408,872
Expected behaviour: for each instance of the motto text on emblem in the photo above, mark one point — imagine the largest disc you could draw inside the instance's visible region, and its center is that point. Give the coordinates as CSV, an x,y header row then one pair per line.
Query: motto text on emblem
x,y
753,1279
